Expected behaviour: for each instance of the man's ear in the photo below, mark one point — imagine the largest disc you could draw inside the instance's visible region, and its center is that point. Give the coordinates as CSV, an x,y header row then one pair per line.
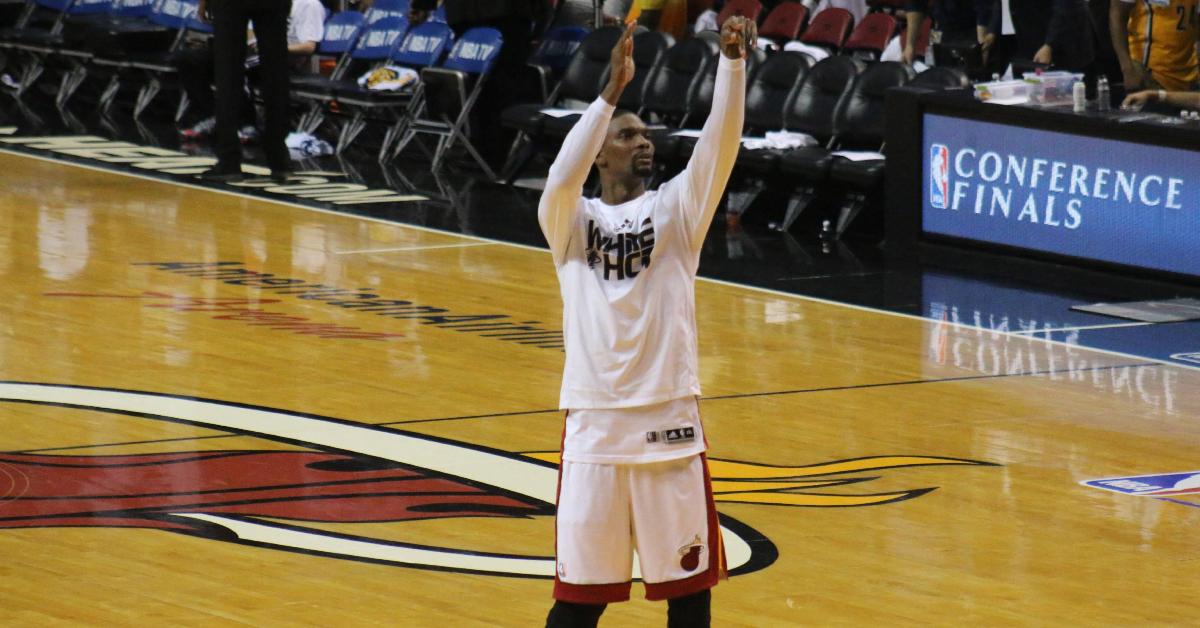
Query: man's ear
x,y
601,159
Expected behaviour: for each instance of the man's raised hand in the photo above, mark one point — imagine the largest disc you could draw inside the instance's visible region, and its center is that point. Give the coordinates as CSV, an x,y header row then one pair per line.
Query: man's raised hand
x,y
738,35
621,66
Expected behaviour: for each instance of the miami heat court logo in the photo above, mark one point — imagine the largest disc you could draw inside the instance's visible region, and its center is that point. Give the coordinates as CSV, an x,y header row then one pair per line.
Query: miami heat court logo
x,y
347,472
939,176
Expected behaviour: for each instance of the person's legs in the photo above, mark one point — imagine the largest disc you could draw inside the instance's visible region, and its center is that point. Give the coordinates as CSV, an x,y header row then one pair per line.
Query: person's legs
x,y
690,611
270,29
593,547
677,536
229,55
571,615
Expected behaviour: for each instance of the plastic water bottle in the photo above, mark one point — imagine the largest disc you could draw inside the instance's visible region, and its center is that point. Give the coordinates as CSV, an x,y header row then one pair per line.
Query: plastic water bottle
x,y
1103,98
1079,97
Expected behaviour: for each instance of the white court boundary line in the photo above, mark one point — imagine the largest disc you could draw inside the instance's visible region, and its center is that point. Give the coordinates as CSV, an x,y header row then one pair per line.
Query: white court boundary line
x,y
720,282
416,248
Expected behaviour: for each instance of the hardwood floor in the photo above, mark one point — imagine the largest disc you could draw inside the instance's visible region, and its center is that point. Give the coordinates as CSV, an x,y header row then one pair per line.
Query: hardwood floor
x,y
219,410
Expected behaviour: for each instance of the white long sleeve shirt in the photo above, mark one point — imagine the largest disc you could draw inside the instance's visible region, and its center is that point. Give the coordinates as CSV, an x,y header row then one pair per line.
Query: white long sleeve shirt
x,y
627,272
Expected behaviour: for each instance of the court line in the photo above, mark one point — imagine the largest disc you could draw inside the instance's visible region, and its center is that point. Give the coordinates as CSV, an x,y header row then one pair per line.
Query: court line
x,y
720,282
416,248
499,415
1024,332
965,378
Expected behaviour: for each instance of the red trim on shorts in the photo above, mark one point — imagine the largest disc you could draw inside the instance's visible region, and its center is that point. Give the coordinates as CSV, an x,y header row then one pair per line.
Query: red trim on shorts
x,y
717,569
591,593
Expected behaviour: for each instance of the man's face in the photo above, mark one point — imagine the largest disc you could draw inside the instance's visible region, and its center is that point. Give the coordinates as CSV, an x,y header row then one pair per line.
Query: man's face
x,y
627,148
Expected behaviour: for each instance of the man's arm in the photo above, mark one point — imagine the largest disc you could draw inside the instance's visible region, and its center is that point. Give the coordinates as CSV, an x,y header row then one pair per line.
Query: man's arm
x,y
702,182
1059,30
1183,100
914,16
1118,25
564,184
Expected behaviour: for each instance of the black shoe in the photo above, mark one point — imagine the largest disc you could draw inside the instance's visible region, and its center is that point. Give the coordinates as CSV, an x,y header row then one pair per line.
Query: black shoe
x,y
222,174
280,176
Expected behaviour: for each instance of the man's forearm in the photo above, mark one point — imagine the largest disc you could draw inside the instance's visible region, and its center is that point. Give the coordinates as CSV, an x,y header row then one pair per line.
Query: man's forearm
x,y
612,93
914,29
1118,26
302,48
1183,100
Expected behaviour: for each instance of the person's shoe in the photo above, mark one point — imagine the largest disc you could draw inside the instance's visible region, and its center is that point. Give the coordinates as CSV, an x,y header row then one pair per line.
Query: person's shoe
x,y
200,130
222,174
248,134
280,176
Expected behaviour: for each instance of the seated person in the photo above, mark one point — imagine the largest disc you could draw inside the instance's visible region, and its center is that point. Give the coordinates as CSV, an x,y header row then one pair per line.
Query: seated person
x,y
306,27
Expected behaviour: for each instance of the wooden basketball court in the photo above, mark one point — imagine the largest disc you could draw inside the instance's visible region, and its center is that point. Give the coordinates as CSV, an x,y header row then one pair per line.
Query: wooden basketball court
x,y
219,410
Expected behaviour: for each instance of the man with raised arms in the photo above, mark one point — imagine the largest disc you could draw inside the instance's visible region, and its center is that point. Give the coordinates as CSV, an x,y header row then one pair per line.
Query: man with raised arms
x,y
634,474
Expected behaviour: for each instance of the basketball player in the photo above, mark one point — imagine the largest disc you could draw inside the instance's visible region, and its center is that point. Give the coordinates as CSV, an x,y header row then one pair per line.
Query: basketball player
x,y
634,475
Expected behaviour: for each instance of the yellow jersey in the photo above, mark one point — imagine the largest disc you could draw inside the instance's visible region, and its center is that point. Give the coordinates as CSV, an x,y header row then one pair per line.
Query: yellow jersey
x,y
1162,37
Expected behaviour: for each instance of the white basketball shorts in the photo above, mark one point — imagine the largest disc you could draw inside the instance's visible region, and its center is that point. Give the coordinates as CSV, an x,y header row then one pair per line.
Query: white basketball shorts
x,y
664,510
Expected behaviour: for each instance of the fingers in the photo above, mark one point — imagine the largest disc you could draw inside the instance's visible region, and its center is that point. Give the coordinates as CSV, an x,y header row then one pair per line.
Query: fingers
x,y
741,31
625,43
627,35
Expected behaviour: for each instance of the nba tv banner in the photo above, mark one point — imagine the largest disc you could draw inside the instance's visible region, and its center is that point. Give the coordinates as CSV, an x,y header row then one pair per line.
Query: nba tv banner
x,y
1085,197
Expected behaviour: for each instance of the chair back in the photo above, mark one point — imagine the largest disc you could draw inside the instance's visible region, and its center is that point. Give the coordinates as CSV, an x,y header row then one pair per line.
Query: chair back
x,y
829,29
873,33
861,114
942,77
132,8
649,48
476,52
673,88
383,9
814,103
424,45
745,8
784,22
585,75
175,14
341,32
769,90
558,46
378,40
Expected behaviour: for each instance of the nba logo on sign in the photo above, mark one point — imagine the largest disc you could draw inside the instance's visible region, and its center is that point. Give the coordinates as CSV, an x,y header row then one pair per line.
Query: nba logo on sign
x,y
939,175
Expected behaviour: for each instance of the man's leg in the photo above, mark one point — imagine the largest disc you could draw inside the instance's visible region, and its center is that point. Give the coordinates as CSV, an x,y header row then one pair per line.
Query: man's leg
x,y
690,611
571,615
593,548
677,536
270,29
229,52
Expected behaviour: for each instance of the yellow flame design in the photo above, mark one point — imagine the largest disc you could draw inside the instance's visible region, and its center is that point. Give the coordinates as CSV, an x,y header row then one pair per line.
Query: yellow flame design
x,y
752,483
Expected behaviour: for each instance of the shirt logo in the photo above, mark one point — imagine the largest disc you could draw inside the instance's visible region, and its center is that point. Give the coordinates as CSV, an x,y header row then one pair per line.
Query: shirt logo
x,y
675,436
622,255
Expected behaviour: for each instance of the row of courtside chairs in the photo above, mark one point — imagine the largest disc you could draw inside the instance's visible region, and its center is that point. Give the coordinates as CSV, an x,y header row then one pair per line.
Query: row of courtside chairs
x,y
135,41
838,101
